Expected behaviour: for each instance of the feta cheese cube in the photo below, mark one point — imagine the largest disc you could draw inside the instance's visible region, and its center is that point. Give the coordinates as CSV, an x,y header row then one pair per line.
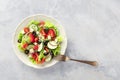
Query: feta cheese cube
x,y
35,43
49,37
31,51
37,32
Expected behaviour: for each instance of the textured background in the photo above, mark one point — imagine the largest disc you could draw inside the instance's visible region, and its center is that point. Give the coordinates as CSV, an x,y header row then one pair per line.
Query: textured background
x,y
92,28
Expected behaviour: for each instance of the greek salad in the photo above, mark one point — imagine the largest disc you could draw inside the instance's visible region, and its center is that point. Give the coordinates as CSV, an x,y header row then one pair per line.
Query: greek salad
x,y
40,41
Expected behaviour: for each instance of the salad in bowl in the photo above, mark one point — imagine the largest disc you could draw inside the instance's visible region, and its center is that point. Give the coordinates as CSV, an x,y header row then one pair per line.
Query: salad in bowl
x,y
38,39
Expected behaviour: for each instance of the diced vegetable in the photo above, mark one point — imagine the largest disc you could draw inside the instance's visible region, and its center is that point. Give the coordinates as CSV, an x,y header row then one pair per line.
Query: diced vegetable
x,y
20,47
43,32
56,51
26,38
35,56
25,45
40,47
36,39
33,27
59,39
31,36
33,22
32,60
30,46
52,45
42,23
49,37
36,47
26,30
41,55
31,50
48,24
42,61
20,36
51,33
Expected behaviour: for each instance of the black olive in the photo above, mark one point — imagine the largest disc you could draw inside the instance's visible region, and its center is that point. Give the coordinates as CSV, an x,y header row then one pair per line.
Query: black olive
x,y
34,33
19,41
46,53
46,31
45,43
39,42
38,52
26,51
51,53
31,43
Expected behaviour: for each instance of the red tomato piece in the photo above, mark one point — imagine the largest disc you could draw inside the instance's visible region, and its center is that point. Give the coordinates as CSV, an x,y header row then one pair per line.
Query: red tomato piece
x,y
34,56
25,45
37,61
42,32
31,37
26,29
51,33
36,39
42,23
36,47
46,49
43,60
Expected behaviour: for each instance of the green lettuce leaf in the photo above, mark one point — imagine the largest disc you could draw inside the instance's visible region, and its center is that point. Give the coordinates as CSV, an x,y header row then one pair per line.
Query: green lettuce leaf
x,y
32,60
56,51
33,22
59,38
20,47
41,55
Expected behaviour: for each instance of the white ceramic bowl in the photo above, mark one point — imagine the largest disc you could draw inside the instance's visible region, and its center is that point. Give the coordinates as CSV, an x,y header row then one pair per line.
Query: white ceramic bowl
x,y
39,17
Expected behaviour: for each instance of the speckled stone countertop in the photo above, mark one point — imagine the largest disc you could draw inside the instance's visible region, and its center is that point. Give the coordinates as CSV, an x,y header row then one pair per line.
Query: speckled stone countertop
x,y
93,32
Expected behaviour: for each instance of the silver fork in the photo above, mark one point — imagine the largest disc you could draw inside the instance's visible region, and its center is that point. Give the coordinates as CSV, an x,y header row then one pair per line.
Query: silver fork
x,y
66,58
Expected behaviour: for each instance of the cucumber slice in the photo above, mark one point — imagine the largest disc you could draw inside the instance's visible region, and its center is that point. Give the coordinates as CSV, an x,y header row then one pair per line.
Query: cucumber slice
x,y
26,38
52,45
33,27
40,47
30,47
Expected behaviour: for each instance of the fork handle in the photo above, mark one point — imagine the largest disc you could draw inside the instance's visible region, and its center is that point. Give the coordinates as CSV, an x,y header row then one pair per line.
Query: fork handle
x,y
93,63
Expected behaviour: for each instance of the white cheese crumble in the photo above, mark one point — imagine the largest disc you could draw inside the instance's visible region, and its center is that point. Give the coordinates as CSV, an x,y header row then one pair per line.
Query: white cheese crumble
x,y
31,50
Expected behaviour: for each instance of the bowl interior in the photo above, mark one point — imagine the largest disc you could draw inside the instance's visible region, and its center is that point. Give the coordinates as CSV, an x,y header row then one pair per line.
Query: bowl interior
x,y
22,56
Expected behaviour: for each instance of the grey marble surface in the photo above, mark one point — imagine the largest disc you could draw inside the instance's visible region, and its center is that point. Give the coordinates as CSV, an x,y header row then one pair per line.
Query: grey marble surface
x,y
92,28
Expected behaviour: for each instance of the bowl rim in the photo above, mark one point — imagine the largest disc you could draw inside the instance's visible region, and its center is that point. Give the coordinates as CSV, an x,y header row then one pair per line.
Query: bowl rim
x,y
14,33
